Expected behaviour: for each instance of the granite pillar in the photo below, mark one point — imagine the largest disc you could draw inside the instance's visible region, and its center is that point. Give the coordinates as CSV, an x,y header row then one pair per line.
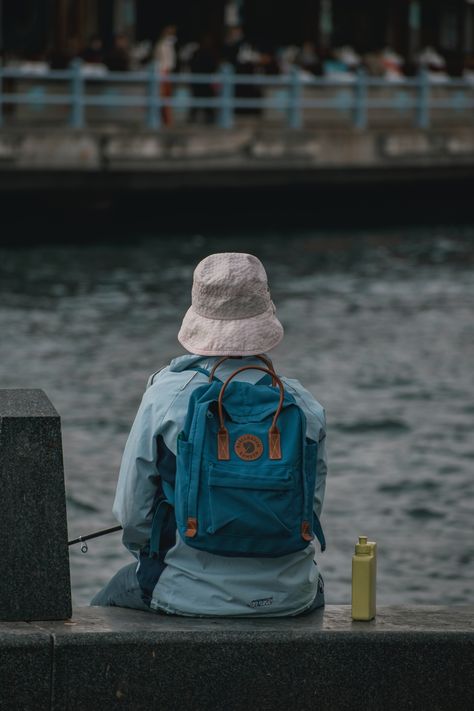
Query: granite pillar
x,y
34,564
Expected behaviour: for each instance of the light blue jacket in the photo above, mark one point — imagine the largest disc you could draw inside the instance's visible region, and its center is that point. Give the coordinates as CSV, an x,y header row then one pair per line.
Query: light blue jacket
x,y
194,582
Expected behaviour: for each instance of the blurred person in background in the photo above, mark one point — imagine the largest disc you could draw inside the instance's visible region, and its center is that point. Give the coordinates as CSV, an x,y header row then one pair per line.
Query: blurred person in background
x,y
246,60
342,64
61,58
384,63
308,60
267,62
434,64
118,58
233,41
94,51
164,55
468,71
205,60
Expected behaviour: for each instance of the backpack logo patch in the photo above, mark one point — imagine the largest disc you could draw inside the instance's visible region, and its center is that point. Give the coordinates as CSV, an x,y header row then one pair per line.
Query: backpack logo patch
x,y
248,447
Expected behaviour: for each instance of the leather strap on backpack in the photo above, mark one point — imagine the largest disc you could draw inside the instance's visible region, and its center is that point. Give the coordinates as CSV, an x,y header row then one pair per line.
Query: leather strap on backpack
x,y
274,445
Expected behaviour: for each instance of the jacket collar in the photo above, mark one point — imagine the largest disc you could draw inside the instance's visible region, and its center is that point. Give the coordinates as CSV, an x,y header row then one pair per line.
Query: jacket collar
x,y
184,362
187,361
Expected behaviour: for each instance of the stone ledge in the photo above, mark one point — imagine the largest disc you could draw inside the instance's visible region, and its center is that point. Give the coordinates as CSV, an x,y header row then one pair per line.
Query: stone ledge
x,y
334,618
105,658
252,148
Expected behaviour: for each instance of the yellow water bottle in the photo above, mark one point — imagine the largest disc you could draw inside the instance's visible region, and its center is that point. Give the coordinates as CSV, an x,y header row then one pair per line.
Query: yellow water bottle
x,y
364,574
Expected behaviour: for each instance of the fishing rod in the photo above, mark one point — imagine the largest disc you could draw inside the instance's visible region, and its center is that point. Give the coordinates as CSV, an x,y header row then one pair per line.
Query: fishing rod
x,y
82,539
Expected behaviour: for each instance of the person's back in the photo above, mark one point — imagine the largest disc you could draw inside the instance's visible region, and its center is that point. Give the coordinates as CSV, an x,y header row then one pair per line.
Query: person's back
x,y
232,315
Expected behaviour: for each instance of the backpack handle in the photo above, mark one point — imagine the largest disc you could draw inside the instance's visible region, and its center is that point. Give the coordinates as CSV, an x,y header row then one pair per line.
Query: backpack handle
x,y
263,358
274,447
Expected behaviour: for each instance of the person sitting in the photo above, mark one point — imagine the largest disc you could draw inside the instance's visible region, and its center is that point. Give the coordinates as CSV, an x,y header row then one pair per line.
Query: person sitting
x,y
231,323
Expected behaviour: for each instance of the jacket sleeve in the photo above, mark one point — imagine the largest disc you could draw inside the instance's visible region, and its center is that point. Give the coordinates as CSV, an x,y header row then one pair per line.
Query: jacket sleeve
x,y
138,478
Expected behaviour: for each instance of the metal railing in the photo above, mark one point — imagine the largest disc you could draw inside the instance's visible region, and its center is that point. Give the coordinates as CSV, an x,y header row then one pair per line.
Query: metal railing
x,y
289,95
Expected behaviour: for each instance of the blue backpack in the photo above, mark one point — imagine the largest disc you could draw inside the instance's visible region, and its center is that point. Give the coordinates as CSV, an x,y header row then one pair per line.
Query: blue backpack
x,y
245,470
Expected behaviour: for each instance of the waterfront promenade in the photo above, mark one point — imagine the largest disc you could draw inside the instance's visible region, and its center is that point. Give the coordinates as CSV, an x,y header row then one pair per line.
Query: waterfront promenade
x,y
186,157
67,129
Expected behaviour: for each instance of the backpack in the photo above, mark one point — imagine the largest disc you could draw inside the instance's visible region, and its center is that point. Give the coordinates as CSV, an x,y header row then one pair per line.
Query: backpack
x,y
245,470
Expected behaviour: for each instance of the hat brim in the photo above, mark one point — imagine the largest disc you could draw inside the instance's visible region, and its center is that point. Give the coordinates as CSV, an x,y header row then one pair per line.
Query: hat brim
x,y
246,336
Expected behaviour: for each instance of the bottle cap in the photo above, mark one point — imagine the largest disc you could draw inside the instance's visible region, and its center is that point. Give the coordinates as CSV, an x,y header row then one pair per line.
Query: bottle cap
x,y
363,547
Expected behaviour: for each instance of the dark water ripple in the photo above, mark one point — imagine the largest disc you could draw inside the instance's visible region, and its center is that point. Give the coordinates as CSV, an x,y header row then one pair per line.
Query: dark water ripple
x,y
369,426
378,326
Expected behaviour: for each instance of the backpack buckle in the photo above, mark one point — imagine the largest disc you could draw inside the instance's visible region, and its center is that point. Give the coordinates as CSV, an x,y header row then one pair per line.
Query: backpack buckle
x,y
192,528
306,533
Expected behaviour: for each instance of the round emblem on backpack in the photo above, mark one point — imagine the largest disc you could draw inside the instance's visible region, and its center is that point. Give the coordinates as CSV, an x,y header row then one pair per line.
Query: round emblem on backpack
x,y
248,447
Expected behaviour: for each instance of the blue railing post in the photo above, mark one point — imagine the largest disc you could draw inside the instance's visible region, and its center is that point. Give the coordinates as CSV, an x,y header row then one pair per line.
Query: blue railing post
x,y
153,107
77,94
294,100
226,109
360,104
423,110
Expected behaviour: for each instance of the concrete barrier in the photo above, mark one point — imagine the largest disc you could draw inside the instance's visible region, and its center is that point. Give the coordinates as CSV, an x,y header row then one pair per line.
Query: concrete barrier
x,y
194,157
109,658
34,564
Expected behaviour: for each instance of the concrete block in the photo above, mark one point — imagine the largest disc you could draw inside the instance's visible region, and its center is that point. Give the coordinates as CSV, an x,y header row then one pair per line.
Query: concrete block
x,y
8,149
301,146
34,565
405,659
26,656
78,151
408,145
209,144
140,149
461,143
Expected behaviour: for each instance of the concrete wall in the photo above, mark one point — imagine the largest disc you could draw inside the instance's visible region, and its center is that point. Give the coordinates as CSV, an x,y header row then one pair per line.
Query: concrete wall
x,y
109,658
140,160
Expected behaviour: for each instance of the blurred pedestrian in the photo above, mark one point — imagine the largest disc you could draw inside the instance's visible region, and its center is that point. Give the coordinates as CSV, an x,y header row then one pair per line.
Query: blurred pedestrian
x,y
118,58
165,56
94,51
61,58
233,42
204,61
308,60
434,64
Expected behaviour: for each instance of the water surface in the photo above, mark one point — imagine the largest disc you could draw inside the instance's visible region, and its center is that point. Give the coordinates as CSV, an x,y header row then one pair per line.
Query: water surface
x,y
379,327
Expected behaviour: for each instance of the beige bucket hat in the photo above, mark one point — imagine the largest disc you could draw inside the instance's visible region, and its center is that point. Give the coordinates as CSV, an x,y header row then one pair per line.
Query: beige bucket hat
x,y
232,312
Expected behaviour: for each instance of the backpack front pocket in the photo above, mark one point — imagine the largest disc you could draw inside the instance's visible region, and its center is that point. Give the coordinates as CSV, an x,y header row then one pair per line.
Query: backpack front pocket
x,y
251,507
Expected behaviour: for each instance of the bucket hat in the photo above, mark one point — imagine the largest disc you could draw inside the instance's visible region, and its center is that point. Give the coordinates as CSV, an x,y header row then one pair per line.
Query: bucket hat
x,y
232,312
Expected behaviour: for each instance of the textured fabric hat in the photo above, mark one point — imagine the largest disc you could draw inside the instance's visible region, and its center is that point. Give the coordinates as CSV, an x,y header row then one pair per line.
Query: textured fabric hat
x,y
232,312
